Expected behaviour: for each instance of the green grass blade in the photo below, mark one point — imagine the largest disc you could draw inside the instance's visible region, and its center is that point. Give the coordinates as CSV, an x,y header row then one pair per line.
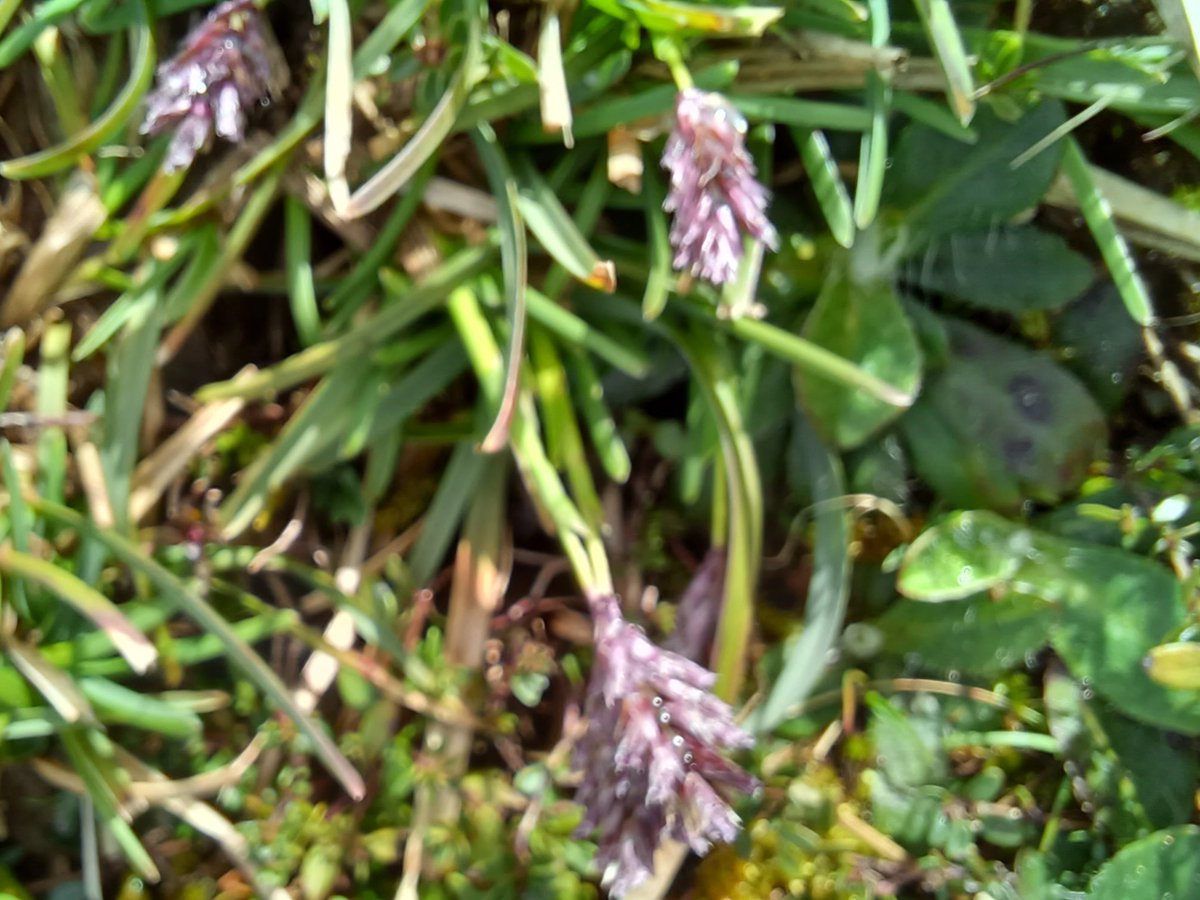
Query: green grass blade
x,y
52,386
125,637
827,184
948,47
873,149
22,37
51,682
60,157
302,289
13,348
564,442
20,522
1098,215
570,327
339,103
589,393
514,262
829,589
455,489
238,651
662,271
433,131
742,505
326,416
116,703
557,232
817,360
802,113
365,337
130,367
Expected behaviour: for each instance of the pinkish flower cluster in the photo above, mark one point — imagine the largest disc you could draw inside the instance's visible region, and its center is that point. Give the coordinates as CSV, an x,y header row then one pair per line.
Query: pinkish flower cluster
x,y
652,756
715,196
228,64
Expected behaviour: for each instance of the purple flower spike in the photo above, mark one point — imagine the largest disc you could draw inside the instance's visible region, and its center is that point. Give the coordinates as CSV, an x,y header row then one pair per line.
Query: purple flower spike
x,y
652,756
715,195
228,63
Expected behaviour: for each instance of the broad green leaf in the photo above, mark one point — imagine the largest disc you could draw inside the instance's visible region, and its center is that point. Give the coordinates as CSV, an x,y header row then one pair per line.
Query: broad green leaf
x,y
1101,344
1002,423
1110,607
963,555
1008,269
943,185
980,636
1162,770
859,318
1165,864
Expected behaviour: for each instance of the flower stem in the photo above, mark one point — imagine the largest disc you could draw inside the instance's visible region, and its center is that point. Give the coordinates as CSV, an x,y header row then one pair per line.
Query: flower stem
x,y
668,51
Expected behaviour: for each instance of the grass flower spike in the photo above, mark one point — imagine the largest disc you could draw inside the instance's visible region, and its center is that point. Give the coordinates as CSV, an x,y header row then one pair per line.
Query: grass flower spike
x,y
715,197
228,64
652,758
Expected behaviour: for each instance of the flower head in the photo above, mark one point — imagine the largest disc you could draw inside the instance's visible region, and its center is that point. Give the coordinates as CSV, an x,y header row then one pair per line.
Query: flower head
x,y
715,195
652,756
227,64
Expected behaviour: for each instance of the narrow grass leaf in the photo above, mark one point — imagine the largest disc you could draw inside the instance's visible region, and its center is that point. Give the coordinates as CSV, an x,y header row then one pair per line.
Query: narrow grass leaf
x,y
51,682
935,115
873,148
325,417
672,17
64,155
455,489
433,131
238,651
116,703
802,113
589,394
130,368
662,271
827,184
101,779
816,360
128,641
43,16
205,293
564,441
742,508
570,327
339,103
1098,215
829,589
557,232
514,262
301,284
52,386
371,333
552,78
13,348
948,47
